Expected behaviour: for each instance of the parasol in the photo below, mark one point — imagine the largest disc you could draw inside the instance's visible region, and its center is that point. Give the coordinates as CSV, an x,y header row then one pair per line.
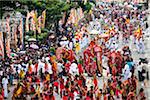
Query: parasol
x,y
32,40
104,35
22,52
34,46
94,32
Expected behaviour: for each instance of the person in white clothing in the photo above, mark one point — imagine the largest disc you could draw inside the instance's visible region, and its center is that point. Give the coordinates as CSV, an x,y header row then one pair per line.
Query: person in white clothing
x,y
140,45
60,68
41,66
49,68
73,69
5,87
126,72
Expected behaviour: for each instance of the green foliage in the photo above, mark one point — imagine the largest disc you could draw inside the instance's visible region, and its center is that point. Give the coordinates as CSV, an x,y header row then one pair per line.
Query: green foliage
x,y
30,33
44,30
88,6
42,36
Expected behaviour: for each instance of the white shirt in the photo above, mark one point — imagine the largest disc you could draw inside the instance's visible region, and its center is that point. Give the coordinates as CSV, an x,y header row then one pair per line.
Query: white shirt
x,y
1,72
64,43
59,66
70,45
73,69
139,68
5,82
50,68
126,69
41,65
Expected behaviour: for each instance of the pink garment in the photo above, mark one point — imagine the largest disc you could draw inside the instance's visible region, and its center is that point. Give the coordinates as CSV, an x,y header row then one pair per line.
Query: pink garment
x,y
59,52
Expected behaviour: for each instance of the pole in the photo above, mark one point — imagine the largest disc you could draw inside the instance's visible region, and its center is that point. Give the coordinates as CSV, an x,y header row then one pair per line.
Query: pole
x,y
4,43
23,41
36,37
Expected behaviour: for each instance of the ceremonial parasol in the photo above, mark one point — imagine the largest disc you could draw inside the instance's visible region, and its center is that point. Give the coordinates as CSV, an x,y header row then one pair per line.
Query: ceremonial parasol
x,y
32,40
94,32
34,46
104,35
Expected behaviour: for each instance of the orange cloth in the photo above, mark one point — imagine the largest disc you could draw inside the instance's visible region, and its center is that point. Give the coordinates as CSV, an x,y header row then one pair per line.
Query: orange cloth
x,y
30,69
55,66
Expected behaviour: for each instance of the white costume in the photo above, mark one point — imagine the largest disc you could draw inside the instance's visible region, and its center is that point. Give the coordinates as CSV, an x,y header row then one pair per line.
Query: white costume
x,y
5,83
73,69
126,72
41,65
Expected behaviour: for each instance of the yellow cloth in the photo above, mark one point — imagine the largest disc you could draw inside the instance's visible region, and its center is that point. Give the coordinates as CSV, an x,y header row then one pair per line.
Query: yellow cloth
x,y
55,66
38,91
22,74
127,21
47,77
18,91
77,45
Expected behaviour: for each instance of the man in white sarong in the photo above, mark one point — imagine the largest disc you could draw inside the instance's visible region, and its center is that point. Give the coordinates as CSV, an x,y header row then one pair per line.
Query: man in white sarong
x,y
5,83
126,72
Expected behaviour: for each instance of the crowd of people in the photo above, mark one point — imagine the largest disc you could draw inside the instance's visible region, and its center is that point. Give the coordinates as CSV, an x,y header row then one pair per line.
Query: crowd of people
x,y
73,67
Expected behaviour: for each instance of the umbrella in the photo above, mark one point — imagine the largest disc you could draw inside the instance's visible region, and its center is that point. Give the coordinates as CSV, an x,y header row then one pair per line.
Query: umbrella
x,y
104,35
22,52
34,46
94,32
32,40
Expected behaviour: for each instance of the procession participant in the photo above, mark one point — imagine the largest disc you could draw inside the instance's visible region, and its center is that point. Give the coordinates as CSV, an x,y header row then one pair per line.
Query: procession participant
x,y
98,52
126,72
59,52
141,94
74,69
5,86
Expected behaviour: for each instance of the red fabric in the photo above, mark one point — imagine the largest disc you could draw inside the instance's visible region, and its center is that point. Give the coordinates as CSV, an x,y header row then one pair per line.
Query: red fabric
x,y
71,95
114,70
52,98
65,98
38,80
87,98
46,66
62,86
67,66
56,84
80,82
105,97
71,56
36,67
95,82
80,68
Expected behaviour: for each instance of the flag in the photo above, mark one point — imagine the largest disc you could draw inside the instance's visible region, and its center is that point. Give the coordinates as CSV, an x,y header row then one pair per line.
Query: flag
x,y
32,15
27,22
1,45
8,37
39,24
35,20
72,17
15,36
43,18
21,31
81,12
